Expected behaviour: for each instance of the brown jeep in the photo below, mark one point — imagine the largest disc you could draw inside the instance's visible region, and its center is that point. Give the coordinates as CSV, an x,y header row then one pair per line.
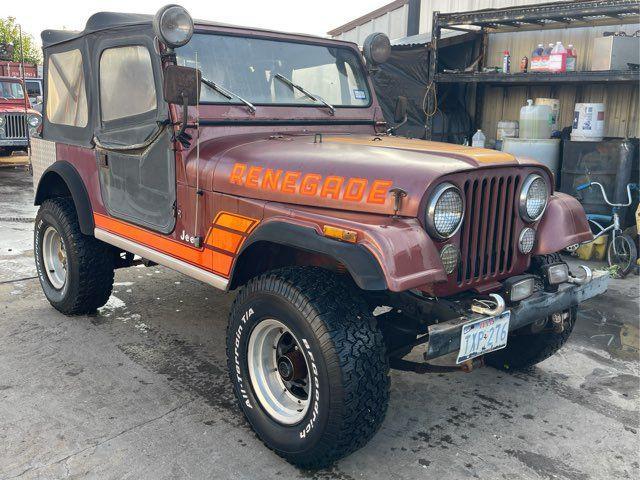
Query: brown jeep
x,y
260,161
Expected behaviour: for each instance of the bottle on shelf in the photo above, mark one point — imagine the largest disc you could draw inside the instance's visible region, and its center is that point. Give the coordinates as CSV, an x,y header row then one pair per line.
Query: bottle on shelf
x,y
558,58
506,62
572,58
536,59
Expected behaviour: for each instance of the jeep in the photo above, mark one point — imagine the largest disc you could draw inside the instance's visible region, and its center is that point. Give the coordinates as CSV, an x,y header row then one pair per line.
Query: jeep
x,y
260,161
18,121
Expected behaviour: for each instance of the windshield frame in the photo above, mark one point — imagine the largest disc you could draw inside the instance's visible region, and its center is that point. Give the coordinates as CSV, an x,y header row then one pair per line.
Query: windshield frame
x,y
357,54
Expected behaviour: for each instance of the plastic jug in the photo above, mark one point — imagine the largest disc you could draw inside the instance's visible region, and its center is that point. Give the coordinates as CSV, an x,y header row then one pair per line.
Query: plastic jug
x,y
535,121
478,139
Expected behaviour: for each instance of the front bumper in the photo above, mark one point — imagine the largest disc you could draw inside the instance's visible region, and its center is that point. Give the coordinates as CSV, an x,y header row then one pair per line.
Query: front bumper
x,y
444,338
13,142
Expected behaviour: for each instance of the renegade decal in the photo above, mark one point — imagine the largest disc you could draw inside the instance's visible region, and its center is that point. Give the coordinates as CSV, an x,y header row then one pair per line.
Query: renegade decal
x,y
311,184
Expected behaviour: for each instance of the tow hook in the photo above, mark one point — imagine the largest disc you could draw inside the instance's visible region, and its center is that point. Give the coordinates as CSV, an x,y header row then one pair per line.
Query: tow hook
x,y
489,307
586,278
557,320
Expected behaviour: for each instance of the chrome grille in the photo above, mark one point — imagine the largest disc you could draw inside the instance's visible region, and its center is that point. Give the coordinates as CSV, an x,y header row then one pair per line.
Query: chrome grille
x,y
488,240
15,125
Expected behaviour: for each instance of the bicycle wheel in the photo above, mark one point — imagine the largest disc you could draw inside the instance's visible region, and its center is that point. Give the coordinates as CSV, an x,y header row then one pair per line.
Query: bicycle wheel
x,y
622,253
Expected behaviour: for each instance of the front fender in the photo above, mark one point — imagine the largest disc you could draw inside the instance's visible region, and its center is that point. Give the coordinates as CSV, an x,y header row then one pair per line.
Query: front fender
x,y
390,253
564,223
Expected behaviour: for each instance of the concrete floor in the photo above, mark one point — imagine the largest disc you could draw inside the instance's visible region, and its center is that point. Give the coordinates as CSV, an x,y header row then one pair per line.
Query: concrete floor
x,y
140,390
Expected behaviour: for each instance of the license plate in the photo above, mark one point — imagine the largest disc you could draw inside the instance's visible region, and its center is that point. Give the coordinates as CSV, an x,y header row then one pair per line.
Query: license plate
x,y
483,336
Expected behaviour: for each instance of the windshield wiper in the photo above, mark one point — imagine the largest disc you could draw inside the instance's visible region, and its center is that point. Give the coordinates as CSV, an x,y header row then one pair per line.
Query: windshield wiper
x,y
228,94
313,97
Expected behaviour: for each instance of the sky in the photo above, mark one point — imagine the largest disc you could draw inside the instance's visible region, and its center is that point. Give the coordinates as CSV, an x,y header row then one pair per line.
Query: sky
x,y
300,16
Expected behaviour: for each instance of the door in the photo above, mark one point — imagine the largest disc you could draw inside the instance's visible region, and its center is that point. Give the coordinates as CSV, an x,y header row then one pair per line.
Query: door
x,y
133,145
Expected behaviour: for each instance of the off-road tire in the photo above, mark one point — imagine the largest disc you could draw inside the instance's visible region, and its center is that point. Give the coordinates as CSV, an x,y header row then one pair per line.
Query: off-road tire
x,y
90,262
351,390
525,349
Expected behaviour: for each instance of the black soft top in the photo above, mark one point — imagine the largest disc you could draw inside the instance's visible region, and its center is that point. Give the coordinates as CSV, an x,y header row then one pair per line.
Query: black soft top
x,y
112,20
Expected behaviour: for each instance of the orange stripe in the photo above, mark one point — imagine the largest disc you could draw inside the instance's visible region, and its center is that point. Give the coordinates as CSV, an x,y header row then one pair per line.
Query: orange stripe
x,y
235,222
225,240
203,258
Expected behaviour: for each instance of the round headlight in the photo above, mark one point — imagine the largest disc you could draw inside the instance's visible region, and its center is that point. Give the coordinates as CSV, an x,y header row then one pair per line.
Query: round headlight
x,y
450,256
444,211
33,120
1,121
527,240
377,48
173,25
533,198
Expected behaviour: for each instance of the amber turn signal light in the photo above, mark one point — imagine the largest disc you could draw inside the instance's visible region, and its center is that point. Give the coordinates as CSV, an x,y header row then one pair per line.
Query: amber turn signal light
x,y
340,234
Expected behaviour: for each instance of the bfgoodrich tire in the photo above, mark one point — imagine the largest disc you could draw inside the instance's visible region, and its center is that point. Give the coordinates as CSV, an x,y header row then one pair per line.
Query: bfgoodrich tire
x,y
525,349
313,321
75,270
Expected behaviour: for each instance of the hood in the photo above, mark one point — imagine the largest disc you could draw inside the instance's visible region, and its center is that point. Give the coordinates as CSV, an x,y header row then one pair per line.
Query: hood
x,y
15,106
348,172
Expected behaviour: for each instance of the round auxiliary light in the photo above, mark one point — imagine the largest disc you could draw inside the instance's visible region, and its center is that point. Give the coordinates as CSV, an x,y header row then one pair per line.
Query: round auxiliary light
x,y
173,26
377,48
527,240
34,120
444,211
533,198
450,256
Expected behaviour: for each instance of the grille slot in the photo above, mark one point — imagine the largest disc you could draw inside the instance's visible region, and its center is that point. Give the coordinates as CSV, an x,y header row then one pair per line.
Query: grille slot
x,y
15,126
488,239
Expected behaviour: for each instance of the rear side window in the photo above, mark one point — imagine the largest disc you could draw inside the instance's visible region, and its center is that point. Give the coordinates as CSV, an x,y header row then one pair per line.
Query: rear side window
x,y
126,83
66,95
33,88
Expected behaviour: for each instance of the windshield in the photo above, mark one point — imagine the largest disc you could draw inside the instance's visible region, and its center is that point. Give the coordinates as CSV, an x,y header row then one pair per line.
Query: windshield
x,y
248,67
11,90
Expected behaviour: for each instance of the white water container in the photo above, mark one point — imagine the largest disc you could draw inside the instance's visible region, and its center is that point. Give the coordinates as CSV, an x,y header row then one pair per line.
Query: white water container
x,y
478,139
506,129
588,122
554,103
546,151
535,121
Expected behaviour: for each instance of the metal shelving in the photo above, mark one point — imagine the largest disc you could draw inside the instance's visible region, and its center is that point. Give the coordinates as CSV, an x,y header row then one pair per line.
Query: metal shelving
x,y
535,78
570,14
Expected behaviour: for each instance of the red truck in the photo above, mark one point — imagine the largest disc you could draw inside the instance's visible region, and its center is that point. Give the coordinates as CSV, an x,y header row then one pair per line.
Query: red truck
x,y
18,121
259,161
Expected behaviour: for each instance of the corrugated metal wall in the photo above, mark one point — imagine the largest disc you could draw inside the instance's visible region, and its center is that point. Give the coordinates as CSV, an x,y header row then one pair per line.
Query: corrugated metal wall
x,y
393,23
621,101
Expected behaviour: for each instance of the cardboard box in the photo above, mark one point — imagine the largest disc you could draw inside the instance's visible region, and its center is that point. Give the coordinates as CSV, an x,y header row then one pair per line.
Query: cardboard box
x,y
613,53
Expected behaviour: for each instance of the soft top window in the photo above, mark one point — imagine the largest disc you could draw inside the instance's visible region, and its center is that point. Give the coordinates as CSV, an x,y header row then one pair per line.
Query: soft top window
x,y
66,95
126,83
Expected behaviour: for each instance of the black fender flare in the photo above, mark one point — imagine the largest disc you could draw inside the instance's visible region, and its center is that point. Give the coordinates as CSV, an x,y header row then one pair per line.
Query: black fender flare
x,y
76,187
358,260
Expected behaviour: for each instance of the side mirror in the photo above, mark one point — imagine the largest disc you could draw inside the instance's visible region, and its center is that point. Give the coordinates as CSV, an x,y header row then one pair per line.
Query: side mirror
x,y
182,85
400,112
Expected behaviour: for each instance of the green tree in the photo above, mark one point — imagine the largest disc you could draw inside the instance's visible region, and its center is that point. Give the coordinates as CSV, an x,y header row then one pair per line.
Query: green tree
x,y
10,34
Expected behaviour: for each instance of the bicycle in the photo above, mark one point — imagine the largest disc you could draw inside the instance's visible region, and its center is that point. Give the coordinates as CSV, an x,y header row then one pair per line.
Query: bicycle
x,y
622,251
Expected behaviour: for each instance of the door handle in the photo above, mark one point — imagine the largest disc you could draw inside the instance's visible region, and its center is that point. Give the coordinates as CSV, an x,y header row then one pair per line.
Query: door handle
x,y
103,160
